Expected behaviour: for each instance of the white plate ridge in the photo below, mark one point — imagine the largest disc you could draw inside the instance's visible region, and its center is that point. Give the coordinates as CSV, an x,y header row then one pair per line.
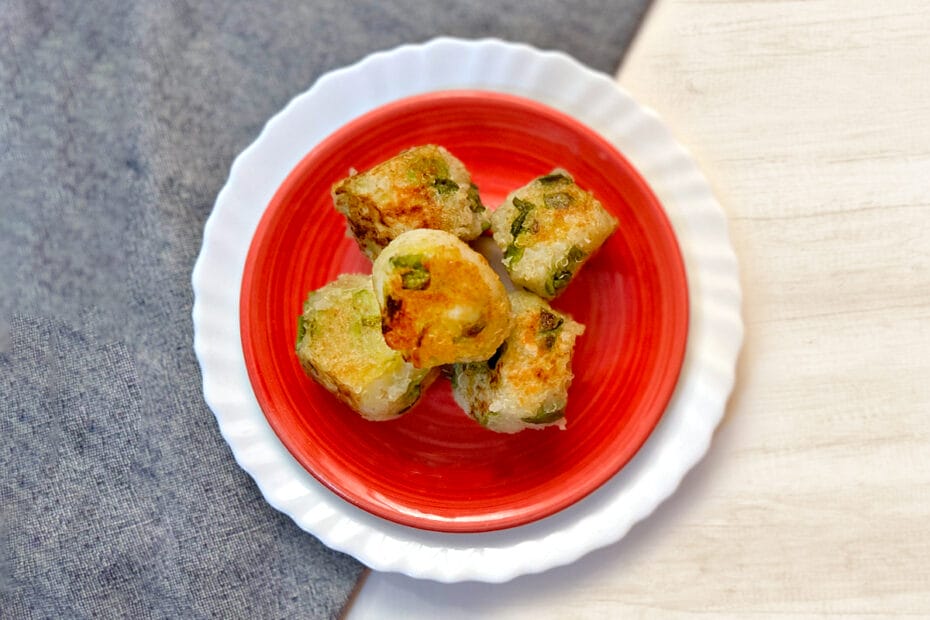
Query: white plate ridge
x,y
715,326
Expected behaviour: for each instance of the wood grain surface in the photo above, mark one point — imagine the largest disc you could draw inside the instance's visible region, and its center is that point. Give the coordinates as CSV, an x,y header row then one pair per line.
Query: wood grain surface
x,y
812,122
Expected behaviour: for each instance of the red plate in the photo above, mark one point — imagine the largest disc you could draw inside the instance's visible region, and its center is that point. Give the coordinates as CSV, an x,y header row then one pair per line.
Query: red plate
x,y
434,468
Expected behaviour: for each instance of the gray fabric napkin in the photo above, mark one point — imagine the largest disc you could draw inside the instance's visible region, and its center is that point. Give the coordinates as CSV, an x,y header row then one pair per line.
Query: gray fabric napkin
x,y
118,124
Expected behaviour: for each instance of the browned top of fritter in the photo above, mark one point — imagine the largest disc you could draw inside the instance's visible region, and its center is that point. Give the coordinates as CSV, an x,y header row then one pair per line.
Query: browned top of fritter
x,y
538,350
423,187
550,206
459,314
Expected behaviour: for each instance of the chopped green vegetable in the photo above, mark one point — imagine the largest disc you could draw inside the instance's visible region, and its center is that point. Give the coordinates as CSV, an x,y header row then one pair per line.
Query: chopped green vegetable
x,y
301,330
415,279
575,254
413,392
484,416
549,325
421,169
523,207
445,186
513,253
549,322
550,179
414,276
411,261
474,200
560,278
545,417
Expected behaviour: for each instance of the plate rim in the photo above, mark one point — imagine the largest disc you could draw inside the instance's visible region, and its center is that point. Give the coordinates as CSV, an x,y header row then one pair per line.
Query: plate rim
x,y
684,432
418,516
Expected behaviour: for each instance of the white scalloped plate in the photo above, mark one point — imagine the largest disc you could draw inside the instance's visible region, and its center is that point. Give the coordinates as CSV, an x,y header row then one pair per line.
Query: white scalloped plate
x,y
715,329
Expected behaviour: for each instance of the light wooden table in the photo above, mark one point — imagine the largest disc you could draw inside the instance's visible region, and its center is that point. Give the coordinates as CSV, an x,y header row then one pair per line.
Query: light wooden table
x,y
812,122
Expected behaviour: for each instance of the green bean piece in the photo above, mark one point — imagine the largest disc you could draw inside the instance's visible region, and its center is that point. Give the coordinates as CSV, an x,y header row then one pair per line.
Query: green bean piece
x,y
549,322
474,200
445,186
513,252
415,276
523,208
301,330
560,278
545,417
415,279
551,179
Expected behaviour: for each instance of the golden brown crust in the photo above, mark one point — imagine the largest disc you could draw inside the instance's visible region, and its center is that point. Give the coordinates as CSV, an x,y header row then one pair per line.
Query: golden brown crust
x,y
547,230
422,187
440,300
340,346
525,384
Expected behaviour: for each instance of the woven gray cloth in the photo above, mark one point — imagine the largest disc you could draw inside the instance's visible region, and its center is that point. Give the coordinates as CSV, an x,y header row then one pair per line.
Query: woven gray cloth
x,y
118,124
